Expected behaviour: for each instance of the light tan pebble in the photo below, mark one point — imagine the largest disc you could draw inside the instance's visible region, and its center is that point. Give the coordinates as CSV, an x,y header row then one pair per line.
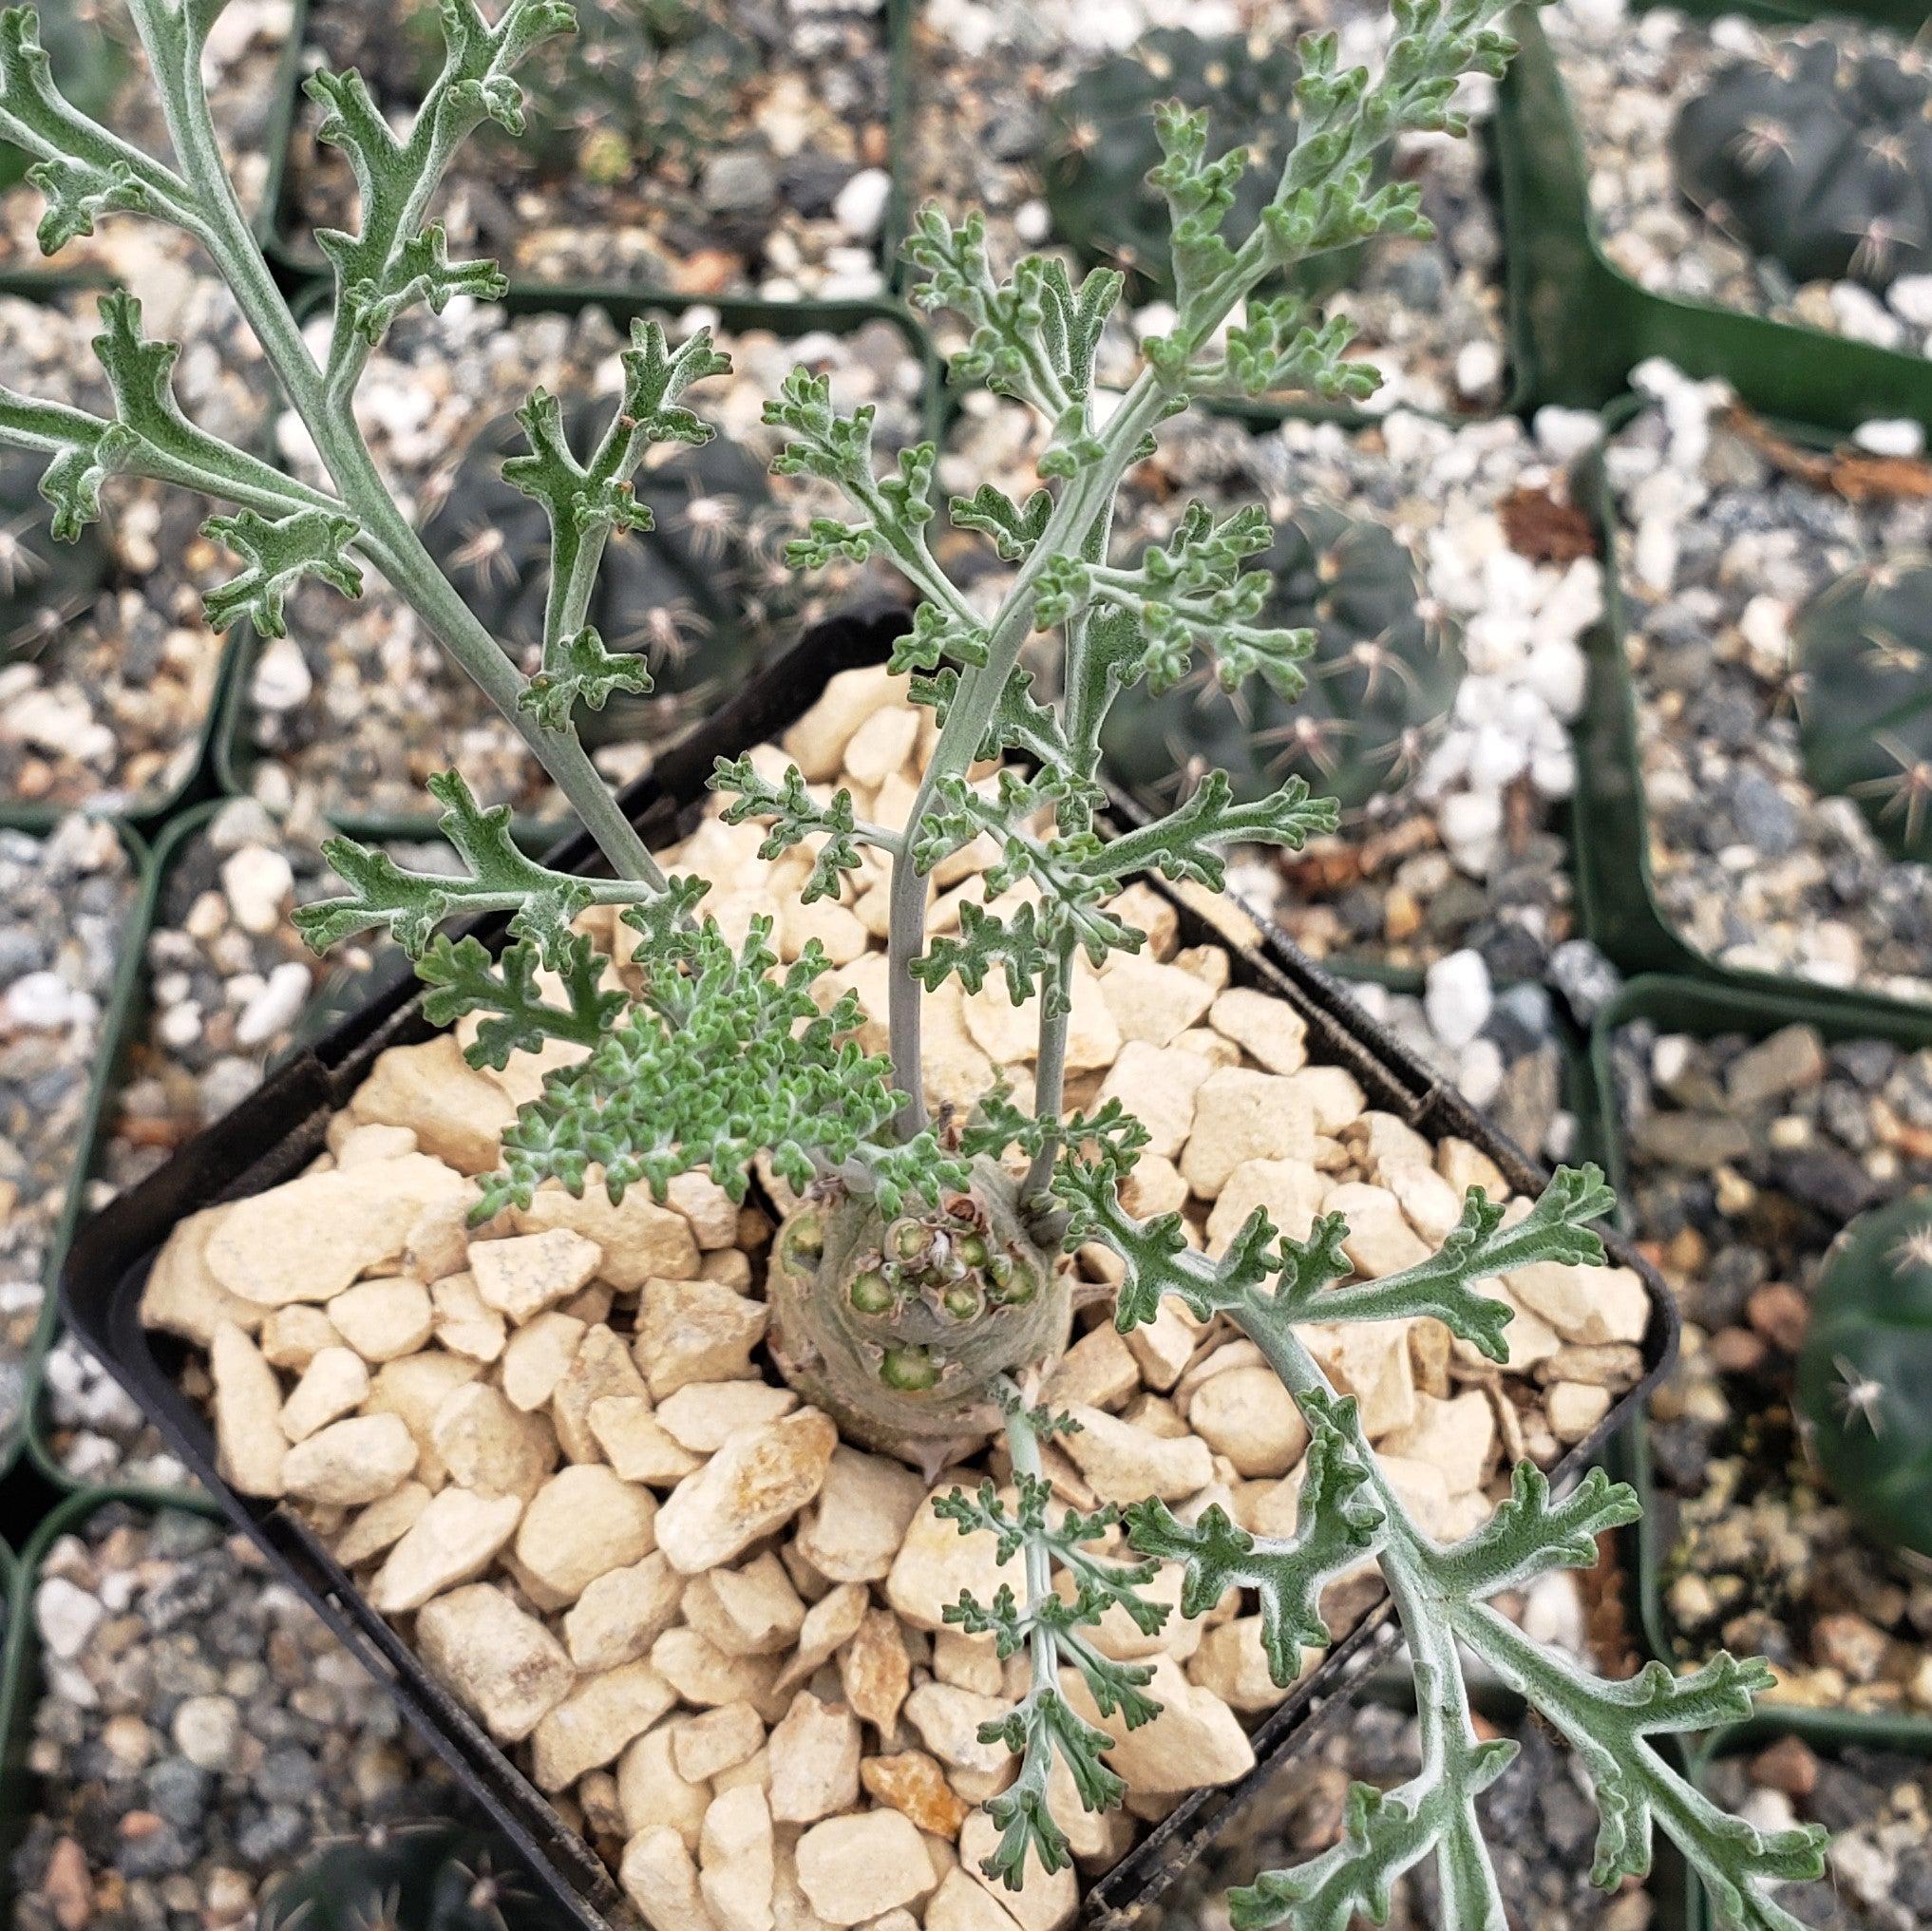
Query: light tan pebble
x,y
1457,1437
1153,1001
705,1676
877,749
1149,911
1159,1085
523,1274
1204,1043
1573,1407
635,1442
910,1781
956,1071
814,1761
657,1874
350,1462
1430,1204
1586,1304
1387,1143
383,1319
1240,1115
1195,1741
857,1868
817,742
1210,963
252,1449
602,1368
856,1525
293,1335
1163,1348
592,1725
875,1671
701,1415
789,1906
729,1267
463,1324
585,1521
1380,1239
735,1859
837,931
961,1903
652,1791
1464,1165
756,1483
639,1240
621,1613
495,1657
335,1383
486,1444
712,1213
1042,1903
949,1721
1233,1662
1269,1031
1290,1192
181,1297
1125,1463
754,1774
1008,1035
695,1331
829,1624
309,1237
453,1541
1370,1360
414,1389
352,1144
1251,1418
1098,1839
437,1244
456,1112
1610,1364
1098,1371
536,1357
716,1740
936,1563
748,1612
1530,1338
1334,1094
1117,1635
381,1524
1154,1187
603,1816
966,1662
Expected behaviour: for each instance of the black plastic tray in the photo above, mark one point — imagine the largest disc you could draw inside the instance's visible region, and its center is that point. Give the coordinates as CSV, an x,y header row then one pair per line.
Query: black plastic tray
x,y
279,1129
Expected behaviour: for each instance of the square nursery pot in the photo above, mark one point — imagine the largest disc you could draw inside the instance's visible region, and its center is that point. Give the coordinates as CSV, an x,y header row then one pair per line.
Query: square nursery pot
x,y
273,1134
1582,324
1704,1010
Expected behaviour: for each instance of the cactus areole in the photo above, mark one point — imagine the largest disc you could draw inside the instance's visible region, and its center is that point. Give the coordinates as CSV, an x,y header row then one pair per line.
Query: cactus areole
x,y
1864,1377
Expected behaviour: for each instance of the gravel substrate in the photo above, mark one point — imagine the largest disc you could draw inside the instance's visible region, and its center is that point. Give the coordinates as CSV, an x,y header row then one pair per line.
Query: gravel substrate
x,y
358,706
65,901
1629,74
107,710
1470,855
199,1732
978,136
1745,1162
1721,548
770,180
244,50
1878,1806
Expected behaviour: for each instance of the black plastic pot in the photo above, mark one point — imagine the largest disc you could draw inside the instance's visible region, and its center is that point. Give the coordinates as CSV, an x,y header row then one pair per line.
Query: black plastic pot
x,y
278,1130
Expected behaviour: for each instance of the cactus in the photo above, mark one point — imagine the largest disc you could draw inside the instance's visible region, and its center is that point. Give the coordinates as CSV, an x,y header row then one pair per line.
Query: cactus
x,y
44,585
1865,1375
1862,650
1102,146
1817,160
89,62
1381,679
695,594
407,1877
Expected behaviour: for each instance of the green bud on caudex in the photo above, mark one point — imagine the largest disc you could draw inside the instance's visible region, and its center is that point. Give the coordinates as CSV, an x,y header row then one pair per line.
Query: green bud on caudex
x,y
1864,1375
1381,680
1818,160
1862,650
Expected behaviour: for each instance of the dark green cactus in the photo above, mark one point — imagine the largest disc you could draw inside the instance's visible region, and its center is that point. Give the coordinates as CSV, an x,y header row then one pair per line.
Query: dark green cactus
x,y
1818,160
1864,1377
408,1877
697,596
1102,144
1864,655
1380,682
89,62
44,585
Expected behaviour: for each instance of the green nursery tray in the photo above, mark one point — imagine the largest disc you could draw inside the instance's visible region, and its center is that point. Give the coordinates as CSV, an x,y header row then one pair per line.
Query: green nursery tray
x,y
1705,1007
1583,323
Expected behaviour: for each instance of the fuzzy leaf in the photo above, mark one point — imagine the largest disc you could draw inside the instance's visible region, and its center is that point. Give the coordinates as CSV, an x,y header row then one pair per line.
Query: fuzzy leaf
x,y
985,940
278,553
583,673
796,816
464,979
1014,528
1188,843
1529,1535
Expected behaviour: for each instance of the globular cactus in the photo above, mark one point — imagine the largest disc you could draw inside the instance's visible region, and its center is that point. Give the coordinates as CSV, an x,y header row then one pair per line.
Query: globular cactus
x,y
1818,160
408,1877
1381,681
44,584
1862,650
1101,144
1865,1376
89,63
696,596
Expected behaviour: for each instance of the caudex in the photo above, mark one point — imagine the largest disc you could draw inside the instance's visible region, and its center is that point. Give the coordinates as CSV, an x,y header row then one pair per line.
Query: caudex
x,y
919,1286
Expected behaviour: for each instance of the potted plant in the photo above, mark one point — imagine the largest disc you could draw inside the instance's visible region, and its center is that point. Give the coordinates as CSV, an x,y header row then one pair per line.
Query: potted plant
x,y
670,1054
